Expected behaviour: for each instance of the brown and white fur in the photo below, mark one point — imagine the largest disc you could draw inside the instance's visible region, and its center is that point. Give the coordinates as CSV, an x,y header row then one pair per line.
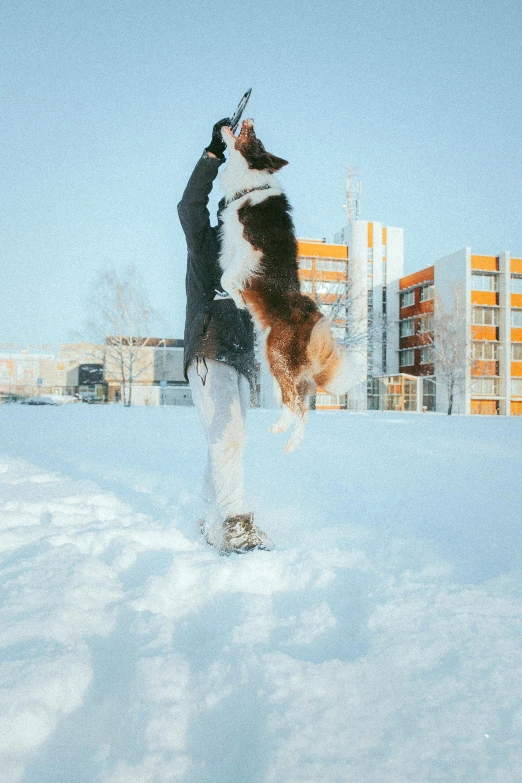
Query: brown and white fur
x,y
260,272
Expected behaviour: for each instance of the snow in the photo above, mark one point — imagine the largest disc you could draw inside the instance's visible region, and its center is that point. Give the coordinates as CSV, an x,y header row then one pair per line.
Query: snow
x,y
381,641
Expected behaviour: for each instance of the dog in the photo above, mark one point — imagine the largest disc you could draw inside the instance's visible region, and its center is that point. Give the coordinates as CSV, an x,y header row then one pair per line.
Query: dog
x,y
258,259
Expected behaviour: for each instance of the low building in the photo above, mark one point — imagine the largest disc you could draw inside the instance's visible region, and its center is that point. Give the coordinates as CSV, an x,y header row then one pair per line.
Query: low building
x,y
27,370
151,369
148,371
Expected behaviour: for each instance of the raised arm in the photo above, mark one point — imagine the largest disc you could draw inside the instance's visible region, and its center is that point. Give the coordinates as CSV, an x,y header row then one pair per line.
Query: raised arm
x,y
192,209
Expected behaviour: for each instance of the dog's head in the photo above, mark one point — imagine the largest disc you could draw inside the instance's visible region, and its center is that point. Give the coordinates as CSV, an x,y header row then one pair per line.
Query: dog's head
x,y
251,148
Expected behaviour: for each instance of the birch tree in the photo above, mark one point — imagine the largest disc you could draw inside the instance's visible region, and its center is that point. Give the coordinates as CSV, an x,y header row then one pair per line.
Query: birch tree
x,y
451,345
123,319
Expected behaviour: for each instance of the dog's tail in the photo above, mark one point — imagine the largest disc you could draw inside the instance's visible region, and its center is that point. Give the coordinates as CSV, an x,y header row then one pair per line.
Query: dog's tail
x,y
329,362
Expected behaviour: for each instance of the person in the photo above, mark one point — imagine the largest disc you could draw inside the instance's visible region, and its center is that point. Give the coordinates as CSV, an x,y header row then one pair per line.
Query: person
x,y
218,363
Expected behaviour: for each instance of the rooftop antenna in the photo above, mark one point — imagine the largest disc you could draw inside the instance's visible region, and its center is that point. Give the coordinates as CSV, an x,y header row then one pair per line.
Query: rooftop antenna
x,y
353,194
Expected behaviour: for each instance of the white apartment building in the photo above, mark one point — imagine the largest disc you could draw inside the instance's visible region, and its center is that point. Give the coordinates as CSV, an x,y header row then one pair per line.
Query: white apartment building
x,y
375,266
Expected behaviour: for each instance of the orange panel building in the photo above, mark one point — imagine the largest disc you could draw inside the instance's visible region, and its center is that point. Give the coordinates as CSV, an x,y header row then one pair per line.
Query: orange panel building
x,y
490,330
323,272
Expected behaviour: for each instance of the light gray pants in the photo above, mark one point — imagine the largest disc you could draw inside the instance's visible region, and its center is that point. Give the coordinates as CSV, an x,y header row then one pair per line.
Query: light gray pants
x,y
222,398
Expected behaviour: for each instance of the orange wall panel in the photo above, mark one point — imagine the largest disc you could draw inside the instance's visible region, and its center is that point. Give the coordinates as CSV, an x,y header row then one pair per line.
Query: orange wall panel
x,y
516,369
484,407
370,234
484,332
384,235
424,276
488,263
321,249
484,297
334,277
516,408
516,300
484,369
516,266
516,335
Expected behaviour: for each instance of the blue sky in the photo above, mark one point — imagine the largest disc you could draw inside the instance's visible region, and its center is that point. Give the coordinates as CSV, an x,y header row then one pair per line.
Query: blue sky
x,y
106,107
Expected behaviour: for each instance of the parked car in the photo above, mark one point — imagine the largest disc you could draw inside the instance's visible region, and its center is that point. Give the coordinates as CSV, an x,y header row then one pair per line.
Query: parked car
x,y
39,401
50,399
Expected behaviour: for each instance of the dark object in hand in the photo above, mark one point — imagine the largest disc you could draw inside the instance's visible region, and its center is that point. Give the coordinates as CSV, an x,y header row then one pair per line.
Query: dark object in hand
x,y
217,146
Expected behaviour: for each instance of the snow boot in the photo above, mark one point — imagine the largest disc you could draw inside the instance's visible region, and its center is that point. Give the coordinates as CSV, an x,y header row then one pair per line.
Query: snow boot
x,y
240,535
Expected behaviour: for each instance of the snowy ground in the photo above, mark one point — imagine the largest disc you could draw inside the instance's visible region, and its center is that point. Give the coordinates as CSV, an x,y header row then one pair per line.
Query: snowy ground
x,y
380,643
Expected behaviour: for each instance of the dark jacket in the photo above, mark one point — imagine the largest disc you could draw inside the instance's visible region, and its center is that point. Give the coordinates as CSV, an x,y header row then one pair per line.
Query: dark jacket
x,y
214,329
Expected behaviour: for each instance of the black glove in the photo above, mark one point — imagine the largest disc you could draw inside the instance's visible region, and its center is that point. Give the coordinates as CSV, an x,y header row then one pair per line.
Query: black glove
x,y
217,146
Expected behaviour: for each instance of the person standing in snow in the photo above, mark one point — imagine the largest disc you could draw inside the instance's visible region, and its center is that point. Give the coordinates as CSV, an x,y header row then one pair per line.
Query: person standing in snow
x,y
218,363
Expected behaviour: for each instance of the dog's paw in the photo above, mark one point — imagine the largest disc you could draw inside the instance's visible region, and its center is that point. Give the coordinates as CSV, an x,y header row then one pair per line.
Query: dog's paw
x,y
291,446
238,300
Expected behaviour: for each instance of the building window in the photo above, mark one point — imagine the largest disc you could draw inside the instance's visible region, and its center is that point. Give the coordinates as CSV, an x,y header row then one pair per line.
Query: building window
x,y
484,282
384,251
426,355
329,400
328,288
485,351
330,265
516,285
407,298
516,387
516,352
482,386
429,394
485,316
305,263
407,327
426,322
407,358
306,287
426,293
516,318
370,254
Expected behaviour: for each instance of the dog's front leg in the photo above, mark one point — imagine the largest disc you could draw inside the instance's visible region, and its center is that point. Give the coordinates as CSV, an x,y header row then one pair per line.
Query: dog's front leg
x,y
229,285
230,281
229,263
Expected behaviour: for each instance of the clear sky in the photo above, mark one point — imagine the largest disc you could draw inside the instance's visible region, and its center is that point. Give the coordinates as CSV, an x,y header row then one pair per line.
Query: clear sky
x,y
106,106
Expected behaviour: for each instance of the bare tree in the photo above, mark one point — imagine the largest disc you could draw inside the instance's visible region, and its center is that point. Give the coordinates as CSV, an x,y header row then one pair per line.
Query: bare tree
x,y
450,344
342,303
122,320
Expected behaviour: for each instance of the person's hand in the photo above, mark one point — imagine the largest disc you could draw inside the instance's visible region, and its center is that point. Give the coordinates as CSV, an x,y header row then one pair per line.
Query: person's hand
x,y
217,146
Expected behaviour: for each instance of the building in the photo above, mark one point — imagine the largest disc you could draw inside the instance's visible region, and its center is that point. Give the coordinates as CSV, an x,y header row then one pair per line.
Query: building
x,y
416,324
149,371
93,371
27,370
375,266
154,367
323,274
355,281
80,371
489,330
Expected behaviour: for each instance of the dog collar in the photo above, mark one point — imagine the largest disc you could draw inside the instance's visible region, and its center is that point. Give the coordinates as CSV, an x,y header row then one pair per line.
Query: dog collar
x,y
241,193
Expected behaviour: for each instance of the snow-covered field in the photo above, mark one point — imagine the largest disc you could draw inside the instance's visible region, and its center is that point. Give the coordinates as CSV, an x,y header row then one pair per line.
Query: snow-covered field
x,y
380,643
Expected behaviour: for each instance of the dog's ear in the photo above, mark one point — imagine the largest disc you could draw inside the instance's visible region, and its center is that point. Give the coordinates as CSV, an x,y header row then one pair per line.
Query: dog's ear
x,y
275,163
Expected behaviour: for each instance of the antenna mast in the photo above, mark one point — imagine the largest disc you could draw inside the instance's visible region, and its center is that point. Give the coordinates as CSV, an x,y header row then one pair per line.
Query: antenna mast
x,y
353,194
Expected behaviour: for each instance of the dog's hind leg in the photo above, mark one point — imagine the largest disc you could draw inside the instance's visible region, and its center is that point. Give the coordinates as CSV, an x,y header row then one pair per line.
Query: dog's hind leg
x,y
301,416
289,396
284,421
